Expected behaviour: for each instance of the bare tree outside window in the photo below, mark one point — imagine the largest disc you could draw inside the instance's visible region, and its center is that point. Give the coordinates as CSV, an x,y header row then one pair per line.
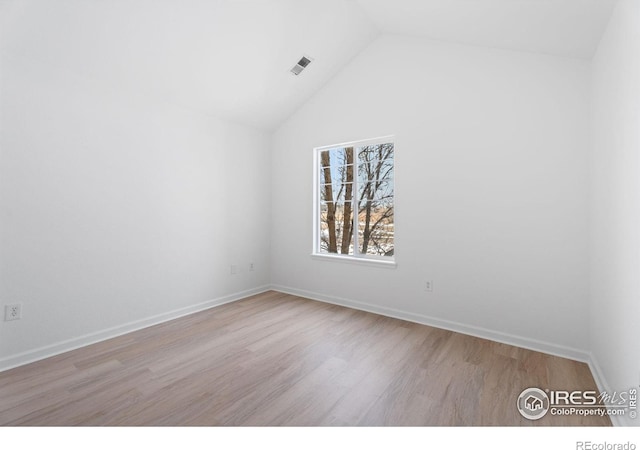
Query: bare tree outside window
x,y
356,195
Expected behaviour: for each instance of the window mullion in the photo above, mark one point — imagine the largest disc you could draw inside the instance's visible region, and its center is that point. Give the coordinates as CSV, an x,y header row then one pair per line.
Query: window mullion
x,y
355,206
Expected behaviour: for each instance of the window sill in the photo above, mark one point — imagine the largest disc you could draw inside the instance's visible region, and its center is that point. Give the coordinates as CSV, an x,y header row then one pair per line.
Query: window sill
x,y
354,260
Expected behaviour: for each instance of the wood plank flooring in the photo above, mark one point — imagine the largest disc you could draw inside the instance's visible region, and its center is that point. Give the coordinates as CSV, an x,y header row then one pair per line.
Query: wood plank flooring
x,y
276,359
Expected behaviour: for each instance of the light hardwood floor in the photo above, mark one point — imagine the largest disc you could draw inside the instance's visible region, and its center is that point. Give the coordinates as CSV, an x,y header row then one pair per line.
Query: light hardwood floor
x,y
277,359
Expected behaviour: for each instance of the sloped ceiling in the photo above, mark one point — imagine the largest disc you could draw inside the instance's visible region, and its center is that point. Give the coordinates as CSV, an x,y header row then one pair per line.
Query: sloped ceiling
x,y
569,28
231,58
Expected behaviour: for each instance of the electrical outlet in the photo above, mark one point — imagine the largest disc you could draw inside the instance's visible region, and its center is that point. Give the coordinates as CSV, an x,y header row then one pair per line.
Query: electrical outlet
x,y
251,267
234,269
428,286
13,312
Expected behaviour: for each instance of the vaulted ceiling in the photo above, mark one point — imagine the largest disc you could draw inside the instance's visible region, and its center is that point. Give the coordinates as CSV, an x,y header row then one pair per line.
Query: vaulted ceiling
x,y
231,58
570,28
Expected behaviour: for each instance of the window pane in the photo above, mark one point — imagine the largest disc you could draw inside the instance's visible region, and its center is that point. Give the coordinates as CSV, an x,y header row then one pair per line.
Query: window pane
x,y
336,188
336,227
378,191
375,200
333,157
336,192
375,162
335,174
376,228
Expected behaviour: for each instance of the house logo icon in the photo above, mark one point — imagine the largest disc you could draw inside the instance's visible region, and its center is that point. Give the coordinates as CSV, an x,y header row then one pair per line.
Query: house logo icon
x,y
533,403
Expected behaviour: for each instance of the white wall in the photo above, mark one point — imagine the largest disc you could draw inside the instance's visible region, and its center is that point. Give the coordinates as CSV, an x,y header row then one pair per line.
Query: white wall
x,y
615,201
491,190
117,210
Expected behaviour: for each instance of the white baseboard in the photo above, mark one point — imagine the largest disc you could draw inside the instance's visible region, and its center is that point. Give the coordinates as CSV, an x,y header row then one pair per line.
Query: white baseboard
x,y
598,376
91,338
603,386
484,333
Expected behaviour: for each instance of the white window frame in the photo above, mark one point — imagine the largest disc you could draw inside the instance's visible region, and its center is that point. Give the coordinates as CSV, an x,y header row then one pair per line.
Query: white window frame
x,y
357,258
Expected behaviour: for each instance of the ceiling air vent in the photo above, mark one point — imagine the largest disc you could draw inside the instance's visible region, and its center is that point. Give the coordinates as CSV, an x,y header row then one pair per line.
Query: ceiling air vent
x,y
300,65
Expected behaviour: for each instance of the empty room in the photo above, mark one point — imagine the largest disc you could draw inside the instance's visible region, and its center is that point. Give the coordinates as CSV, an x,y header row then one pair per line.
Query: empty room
x,y
336,213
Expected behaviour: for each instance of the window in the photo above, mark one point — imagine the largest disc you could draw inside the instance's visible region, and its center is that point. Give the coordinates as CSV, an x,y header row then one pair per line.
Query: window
x,y
354,200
